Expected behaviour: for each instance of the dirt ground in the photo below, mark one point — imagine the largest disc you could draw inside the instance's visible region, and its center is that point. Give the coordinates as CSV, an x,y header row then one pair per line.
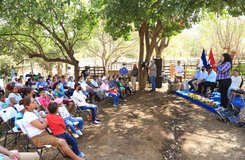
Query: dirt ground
x,y
160,126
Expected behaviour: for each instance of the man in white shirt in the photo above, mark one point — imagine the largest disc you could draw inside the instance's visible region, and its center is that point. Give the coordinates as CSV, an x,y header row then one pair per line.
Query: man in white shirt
x,y
80,100
210,81
201,78
179,71
236,82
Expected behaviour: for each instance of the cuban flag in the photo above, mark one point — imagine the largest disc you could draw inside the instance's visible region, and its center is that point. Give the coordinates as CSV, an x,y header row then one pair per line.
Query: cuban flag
x,y
203,60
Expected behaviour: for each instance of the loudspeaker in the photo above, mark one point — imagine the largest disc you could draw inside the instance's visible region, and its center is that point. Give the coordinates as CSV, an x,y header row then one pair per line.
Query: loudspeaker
x,y
158,63
158,82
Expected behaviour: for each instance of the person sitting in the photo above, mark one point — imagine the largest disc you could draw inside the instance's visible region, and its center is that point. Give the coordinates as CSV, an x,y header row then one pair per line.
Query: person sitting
x,y
28,83
179,72
236,81
82,104
195,77
4,102
201,78
42,84
110,92
35,128
62,110
94,81
30,92
56,124
58,93
95,90
128,88
43,99
71,86
63,81
15,97
210,81
121,87
5,154
87,90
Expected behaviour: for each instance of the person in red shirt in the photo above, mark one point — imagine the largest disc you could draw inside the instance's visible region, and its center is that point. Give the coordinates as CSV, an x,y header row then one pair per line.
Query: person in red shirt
x,y
57,125
43,99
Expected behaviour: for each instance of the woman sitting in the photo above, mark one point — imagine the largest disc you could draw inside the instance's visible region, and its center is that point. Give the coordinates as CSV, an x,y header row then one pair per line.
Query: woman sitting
x,y
14,96
59,93
35,128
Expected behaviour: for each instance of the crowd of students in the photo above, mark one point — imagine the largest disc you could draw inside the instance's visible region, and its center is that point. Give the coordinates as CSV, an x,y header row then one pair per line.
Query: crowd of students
x,y
52,103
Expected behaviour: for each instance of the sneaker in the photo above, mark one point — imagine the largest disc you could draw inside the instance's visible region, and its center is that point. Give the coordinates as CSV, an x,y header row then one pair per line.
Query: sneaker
x,y
75,135
80,133
81,154
95,122
114,105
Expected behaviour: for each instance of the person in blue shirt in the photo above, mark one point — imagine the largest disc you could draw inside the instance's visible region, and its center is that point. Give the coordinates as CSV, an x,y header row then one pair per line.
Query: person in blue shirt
x,y
210,81
4,102
123,70
42,84
195,77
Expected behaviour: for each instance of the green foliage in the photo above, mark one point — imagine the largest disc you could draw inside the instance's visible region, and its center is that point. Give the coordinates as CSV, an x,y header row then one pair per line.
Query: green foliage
x,y
51,29
6,62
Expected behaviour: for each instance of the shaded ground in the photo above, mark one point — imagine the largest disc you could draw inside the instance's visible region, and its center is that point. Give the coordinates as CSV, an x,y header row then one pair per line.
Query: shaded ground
x,y
159,126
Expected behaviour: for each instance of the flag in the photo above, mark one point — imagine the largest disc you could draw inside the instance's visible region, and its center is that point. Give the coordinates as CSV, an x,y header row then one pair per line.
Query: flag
x,y
203,60
211,60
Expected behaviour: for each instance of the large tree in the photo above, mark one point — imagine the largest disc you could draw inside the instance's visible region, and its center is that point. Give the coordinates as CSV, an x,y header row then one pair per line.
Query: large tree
x,y
156,20
47,29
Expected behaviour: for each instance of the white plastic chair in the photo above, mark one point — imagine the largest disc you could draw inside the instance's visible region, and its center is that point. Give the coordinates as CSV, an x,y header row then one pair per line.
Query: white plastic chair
x,y
7,115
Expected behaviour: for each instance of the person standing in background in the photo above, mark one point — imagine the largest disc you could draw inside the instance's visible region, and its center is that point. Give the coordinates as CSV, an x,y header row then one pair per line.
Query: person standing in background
x,y
224,79
123,70
12,72
134,75
152,74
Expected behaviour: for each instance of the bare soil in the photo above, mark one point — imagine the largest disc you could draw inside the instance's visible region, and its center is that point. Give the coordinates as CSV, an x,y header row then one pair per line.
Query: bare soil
x,y
160,126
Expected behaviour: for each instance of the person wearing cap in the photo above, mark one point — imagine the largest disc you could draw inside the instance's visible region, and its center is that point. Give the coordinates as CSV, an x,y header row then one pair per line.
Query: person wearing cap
x,y
82,104
109,92
123,71
134,75
42,84
210,81
36,129
57,125
69,120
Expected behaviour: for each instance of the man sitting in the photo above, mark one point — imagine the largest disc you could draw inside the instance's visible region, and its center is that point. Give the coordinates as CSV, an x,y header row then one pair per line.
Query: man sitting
x,y
201,78
210,81
42,84
195,77
236,81
82,104
179,72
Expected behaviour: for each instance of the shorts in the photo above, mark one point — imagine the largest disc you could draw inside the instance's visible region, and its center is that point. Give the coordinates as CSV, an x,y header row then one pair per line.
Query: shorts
x,y
45,139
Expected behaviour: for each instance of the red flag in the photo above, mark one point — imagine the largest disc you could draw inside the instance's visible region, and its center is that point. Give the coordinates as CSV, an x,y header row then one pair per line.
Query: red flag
x,y
211,59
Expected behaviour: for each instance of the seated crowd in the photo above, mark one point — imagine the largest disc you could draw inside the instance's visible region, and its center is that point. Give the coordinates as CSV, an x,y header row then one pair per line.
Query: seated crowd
x,y
51,105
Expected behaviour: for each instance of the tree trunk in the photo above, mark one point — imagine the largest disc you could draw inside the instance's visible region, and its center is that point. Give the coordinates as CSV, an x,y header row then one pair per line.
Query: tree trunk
x,y
76,70
142,83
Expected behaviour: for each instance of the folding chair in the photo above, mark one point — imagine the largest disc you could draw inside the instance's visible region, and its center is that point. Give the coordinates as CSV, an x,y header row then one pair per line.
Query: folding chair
x,y
31,145
79,111
7,116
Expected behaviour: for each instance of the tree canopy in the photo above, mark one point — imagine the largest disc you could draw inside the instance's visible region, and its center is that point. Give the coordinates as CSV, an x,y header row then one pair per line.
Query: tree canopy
x,y
47,29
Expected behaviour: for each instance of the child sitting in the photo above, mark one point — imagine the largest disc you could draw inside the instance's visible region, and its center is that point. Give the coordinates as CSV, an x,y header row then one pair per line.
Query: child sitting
x,y
57,126
62,110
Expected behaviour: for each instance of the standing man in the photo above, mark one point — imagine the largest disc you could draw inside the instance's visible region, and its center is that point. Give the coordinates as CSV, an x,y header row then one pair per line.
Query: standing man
x,y
179,72
152,74
12,72
134,75
123,70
